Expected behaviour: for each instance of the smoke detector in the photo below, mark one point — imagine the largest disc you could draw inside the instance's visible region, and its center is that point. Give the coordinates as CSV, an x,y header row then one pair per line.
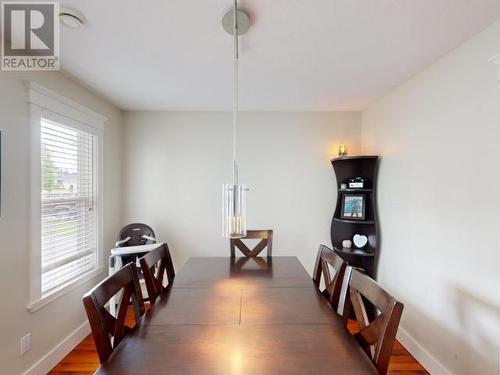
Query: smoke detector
x,y
71,18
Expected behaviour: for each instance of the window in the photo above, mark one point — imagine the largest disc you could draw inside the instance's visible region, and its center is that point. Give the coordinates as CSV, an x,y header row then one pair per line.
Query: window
x,y
68,209
66,195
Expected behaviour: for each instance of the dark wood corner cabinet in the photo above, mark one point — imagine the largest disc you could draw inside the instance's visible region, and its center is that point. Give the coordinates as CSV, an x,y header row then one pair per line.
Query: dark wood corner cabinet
x,y
345,168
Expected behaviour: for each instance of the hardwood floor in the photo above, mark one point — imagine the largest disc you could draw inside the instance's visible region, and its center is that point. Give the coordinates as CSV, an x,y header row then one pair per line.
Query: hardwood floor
x,y
84,360
402,362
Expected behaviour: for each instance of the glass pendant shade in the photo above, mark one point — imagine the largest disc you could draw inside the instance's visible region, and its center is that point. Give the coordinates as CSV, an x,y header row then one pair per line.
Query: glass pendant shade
x,y
234,207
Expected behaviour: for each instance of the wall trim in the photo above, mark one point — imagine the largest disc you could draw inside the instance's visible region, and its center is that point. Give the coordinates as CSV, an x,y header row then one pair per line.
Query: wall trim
x,y
63,289
61,350
496,60
48,99
426,359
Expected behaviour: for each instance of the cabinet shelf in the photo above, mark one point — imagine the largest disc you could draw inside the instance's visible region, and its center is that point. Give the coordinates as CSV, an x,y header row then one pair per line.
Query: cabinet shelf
x,y
345,229
349,221
354,251
352,190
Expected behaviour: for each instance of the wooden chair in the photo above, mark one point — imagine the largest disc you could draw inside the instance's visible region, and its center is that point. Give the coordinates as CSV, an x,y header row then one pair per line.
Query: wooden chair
x,y
254,266
107,330
266,237
376,337
154,265
326,261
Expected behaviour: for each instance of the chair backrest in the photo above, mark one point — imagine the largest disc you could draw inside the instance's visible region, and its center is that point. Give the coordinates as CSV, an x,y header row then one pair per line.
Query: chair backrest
x,y
137,234
105,326
266,237
154,265
327,261
376,337
251,267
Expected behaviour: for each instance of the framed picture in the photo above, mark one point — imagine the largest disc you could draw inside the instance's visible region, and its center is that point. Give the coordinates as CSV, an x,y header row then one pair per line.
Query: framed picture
x,y
353,207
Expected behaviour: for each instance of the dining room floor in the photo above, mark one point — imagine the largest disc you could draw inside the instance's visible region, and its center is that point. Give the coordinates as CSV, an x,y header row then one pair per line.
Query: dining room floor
x,y
84,360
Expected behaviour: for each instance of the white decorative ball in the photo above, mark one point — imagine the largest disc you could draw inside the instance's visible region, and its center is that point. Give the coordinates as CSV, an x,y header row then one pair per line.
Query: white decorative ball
x,y
347,244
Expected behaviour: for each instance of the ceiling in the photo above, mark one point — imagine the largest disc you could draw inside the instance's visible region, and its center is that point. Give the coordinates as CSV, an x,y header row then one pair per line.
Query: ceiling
x,y
298,55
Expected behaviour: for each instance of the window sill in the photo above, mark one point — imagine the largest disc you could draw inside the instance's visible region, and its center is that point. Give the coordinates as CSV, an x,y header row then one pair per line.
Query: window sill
x,y
63,289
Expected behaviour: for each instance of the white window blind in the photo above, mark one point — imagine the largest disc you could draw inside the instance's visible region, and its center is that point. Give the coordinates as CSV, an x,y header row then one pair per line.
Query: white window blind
x,y
68,204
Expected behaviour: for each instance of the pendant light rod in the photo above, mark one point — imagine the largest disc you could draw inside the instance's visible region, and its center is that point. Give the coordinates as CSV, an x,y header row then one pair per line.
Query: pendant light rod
x,y
235,90
236,23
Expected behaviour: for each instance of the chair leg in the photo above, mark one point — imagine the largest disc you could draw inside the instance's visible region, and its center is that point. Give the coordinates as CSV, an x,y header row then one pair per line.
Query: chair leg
x,y
231,246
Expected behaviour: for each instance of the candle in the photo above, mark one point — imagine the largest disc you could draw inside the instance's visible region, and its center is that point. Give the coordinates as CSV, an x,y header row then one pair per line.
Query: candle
x,y
342,150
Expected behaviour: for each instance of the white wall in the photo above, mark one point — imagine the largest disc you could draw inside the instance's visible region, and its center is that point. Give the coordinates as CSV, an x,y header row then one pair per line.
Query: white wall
x,y
439,137
51,324
176,163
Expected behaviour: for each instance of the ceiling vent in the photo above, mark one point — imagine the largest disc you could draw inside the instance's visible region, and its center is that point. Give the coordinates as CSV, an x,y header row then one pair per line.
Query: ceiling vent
x,y
71,18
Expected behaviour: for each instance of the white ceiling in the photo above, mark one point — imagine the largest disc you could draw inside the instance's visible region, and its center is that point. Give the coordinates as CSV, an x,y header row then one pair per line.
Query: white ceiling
x,y
298,54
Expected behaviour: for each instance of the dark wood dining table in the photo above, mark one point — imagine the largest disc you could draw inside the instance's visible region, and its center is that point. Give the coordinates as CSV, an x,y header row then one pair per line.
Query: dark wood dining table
x,y
240,316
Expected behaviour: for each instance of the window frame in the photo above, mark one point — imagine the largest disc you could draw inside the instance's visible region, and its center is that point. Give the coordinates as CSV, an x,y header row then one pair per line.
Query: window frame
x,y
44,103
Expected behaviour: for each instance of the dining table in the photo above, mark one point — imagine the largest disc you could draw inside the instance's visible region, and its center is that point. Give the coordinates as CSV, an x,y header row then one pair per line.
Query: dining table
x,y
224,315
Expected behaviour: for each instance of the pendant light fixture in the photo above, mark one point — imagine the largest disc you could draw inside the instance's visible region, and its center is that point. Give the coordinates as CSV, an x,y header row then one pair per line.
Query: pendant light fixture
x,y
235,22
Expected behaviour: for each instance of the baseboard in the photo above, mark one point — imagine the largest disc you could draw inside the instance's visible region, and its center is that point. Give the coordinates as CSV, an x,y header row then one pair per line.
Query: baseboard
x,y
426,359
52,358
